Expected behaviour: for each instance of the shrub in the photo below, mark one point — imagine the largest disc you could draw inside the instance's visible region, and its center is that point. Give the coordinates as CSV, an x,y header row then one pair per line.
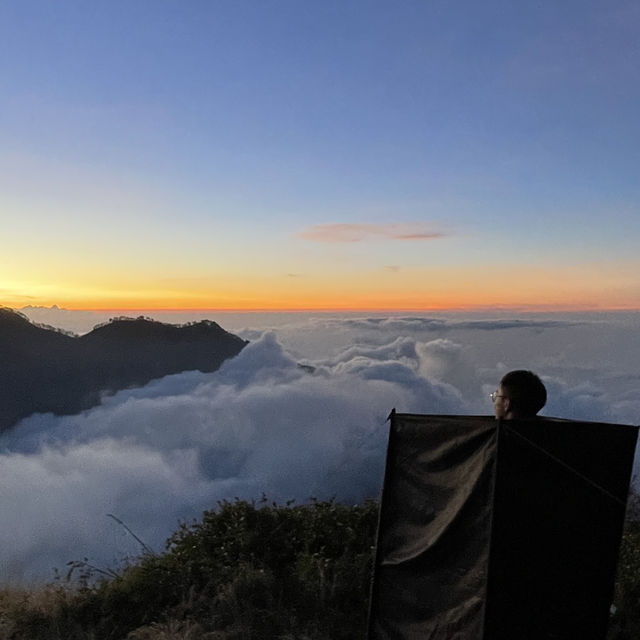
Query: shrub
x,y
625,622
246,571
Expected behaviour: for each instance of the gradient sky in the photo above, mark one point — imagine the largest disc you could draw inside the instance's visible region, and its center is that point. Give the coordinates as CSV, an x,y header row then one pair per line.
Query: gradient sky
x,y
319,155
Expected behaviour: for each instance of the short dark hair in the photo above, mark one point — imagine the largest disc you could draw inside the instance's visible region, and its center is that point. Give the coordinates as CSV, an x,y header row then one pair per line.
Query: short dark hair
x,y
526,392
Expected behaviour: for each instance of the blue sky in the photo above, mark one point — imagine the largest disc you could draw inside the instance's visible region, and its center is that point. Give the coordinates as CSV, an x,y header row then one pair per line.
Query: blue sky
x,y
151,150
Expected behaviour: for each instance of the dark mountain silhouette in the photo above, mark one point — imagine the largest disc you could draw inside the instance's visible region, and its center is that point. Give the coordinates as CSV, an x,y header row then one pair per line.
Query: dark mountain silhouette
x,y
46,370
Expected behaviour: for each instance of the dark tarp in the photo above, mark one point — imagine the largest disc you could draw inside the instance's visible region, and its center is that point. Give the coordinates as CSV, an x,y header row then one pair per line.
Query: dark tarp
x,y
499,530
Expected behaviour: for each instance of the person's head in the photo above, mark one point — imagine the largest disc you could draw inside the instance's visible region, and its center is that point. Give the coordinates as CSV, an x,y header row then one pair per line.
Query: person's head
x,y
520,394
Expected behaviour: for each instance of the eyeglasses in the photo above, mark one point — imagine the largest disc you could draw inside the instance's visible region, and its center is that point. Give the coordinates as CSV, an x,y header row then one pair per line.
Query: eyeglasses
x,y
495,395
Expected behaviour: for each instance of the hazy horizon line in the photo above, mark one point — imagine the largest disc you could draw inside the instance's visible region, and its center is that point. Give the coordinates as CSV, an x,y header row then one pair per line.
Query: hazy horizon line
x,y
469,308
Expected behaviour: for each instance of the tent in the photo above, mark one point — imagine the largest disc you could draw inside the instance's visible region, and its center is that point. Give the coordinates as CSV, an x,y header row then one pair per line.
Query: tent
x,y
499,530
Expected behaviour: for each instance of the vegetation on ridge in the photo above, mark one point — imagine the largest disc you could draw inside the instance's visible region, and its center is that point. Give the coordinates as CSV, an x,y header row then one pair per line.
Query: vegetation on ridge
x,y
247,571
625,621
244,572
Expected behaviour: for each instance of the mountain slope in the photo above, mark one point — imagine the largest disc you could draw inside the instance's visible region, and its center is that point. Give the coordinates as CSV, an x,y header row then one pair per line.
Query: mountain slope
x,y
44,370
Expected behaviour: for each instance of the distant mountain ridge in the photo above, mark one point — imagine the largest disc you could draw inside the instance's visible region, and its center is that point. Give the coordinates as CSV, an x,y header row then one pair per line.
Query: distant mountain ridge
x,y
46,370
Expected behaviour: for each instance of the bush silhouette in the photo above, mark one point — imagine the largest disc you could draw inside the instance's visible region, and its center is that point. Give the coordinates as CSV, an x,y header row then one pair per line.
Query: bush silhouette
x,y
245,571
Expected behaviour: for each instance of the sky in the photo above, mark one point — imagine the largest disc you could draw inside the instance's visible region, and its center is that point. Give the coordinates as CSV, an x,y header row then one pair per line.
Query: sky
x,y
262,424
335,155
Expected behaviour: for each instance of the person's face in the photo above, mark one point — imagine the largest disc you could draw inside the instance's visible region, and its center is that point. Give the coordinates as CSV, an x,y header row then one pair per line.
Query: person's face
x,y
500,402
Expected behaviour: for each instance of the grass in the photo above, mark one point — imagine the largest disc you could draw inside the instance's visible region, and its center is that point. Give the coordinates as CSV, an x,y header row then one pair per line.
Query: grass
x,y
247,571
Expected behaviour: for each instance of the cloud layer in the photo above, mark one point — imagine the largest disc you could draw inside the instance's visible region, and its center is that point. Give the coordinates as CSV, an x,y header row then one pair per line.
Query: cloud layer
x,y
300,412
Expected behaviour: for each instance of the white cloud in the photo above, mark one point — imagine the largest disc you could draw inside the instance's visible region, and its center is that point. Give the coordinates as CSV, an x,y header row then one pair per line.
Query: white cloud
x,y
263,423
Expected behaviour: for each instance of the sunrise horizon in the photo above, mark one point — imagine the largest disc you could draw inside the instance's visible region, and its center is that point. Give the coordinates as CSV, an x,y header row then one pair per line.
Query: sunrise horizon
x,y
320,158
524,308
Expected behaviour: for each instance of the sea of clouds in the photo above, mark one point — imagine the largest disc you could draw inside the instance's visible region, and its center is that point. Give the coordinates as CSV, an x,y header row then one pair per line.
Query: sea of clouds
x,y
301,412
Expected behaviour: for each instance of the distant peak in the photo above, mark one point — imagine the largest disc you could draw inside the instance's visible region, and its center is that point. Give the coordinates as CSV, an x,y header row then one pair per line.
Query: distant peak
x,y
53,307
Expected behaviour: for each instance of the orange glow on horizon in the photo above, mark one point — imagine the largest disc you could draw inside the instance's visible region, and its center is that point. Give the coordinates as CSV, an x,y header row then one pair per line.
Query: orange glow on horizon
x,y
460,307
585,287
361,304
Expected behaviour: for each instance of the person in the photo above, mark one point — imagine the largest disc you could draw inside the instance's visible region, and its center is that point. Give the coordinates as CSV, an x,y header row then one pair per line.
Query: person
x,y
521,394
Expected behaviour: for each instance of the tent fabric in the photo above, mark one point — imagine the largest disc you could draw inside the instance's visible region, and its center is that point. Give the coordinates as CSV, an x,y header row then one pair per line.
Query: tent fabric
x,y
492,530
433,540
559,506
